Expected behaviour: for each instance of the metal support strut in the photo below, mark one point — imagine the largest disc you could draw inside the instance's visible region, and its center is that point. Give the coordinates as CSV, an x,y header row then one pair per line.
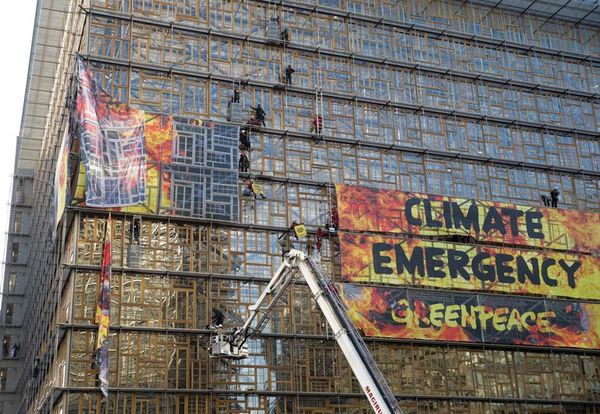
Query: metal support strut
x,y
233,345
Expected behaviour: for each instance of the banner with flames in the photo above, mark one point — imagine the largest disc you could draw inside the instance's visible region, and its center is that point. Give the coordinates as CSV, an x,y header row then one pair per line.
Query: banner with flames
x,y
111,136
476,318
431,263
158,143
140,162
394,211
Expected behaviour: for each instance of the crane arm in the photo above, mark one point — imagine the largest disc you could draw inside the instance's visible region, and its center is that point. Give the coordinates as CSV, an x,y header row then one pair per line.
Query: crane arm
x,y
260,311
357,354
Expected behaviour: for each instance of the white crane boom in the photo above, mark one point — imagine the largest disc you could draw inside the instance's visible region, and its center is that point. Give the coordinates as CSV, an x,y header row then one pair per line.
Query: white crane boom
x,y
233,345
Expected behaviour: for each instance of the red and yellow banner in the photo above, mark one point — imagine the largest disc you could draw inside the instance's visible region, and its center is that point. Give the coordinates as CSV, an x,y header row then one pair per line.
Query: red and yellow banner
x,y
394,211
111,135
103,309
466,317
159,133
417,262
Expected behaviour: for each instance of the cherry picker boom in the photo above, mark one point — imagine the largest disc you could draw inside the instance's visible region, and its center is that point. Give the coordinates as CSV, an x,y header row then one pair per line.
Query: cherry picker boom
x,y
233,345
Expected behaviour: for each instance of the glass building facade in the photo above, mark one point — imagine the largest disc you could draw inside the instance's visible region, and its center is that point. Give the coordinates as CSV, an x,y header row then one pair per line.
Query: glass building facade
x,y
469,99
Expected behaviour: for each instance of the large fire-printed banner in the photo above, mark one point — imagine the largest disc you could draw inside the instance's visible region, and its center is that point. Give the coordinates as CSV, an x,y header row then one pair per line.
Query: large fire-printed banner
x,y
394,211
431,263
467,317
158,141
112,145
190,168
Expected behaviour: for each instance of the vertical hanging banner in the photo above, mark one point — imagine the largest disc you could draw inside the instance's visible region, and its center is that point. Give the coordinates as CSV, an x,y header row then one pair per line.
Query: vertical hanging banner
x,y
103,310
159,135
395,211
112,145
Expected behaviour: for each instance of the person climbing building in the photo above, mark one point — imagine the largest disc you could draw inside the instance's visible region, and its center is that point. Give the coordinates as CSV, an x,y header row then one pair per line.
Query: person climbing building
x,y
285,243
545,200
554,197
310,248
317,125
284,32
335,219
14,350
218,317
289,71
136,224
234,113
244,140
36,367
319,239
259,115
244,163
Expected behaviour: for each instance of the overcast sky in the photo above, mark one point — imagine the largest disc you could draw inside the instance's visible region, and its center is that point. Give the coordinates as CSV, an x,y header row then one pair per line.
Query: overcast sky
x,y
15,34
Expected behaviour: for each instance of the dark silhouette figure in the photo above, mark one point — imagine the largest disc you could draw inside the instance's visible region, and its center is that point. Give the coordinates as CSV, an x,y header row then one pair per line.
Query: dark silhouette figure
x,y
554,197
335,218
14,350
236,95
259,114
218,317
244,140
319,239
135,231
36,367
289,71
545,200
284,243
244,164
284,33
